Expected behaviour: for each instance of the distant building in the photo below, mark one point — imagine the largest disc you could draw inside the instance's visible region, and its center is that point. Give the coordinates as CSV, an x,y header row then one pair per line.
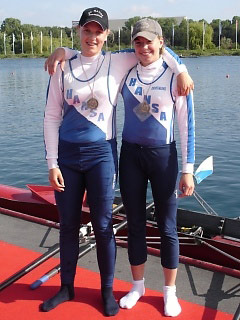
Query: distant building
x,y
115,24
178,19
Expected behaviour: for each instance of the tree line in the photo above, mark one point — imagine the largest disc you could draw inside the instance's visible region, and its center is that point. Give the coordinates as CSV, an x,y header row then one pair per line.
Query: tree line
x,y
193,35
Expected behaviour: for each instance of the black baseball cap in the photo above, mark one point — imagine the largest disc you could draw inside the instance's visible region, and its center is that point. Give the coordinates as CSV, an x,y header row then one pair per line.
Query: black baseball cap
x,y
94,14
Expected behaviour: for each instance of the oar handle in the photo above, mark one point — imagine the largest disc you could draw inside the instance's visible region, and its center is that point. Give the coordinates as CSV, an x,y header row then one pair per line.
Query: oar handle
x,y
82,252
237,313
51,252
118,208
51,273
150,205
119,226
124,222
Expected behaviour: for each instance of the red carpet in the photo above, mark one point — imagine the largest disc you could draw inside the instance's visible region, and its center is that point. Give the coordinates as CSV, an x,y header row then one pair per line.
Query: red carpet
x,y
19,302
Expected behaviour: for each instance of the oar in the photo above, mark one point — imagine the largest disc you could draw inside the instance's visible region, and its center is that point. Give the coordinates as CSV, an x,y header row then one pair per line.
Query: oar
x,y
83,251
86,249
237,313
51,252
32,265
57,268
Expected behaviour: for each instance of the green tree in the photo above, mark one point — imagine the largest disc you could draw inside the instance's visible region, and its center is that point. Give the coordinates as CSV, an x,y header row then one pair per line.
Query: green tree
x,y
228,31
215,26
130,22
226,43
180,39
167,28
12,26
125,33
196,35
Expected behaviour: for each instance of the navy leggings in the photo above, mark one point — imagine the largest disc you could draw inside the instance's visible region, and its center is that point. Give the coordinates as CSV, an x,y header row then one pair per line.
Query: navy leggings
x,y
90,167
138,164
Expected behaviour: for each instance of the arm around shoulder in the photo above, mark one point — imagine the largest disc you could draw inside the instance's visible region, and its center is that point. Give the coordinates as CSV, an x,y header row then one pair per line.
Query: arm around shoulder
x,y
53,118
184,82
60,55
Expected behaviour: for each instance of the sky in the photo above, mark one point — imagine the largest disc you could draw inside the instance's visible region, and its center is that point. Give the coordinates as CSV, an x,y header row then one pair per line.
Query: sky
x,y
61,13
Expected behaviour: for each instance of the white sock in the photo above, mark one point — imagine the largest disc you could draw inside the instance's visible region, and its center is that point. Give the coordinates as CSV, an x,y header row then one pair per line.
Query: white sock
x,y
172,307
130,299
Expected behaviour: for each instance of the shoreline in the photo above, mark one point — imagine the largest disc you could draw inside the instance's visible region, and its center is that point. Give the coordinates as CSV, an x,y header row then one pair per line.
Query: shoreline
x,y
181,53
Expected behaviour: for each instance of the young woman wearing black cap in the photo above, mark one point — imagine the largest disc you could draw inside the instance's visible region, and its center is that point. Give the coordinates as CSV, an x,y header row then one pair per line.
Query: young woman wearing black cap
x,y
80,139
81,153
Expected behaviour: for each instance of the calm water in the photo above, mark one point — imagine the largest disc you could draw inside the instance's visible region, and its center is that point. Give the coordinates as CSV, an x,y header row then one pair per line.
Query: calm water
x,y
23,85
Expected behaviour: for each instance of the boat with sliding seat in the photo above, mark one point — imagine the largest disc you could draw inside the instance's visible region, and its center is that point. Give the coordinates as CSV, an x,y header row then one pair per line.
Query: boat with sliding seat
x,y
208,241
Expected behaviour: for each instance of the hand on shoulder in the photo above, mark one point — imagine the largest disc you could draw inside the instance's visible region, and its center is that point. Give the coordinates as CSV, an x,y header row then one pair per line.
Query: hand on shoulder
x,y
52,61
184,84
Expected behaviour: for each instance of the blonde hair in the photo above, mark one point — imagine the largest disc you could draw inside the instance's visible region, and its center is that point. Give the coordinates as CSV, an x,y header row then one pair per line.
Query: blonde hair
x,y
161,50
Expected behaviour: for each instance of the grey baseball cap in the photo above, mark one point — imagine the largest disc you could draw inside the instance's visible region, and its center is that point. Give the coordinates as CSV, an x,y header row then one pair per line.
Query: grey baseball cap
x,y
147,28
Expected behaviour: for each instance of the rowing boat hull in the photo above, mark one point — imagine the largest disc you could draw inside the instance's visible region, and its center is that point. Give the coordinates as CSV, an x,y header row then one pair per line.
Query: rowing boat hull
x,y
38,202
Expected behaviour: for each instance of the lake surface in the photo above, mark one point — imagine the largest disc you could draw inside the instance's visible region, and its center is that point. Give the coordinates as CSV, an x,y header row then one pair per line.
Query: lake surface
x,y
23,84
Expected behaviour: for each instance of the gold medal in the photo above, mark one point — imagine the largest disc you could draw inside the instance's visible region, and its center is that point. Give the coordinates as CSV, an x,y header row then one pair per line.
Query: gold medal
x,y
92,103
144,107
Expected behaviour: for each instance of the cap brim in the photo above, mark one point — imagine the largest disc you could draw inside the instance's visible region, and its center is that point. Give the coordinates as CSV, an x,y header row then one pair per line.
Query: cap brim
x,y
92,20
145,34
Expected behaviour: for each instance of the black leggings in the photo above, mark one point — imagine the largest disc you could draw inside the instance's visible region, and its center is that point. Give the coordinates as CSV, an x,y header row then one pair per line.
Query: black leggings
x,y
92,168
138,164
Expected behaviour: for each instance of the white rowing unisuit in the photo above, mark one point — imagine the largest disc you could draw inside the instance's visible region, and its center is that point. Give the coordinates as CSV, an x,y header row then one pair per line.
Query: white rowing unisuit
x,y
66,113
156,84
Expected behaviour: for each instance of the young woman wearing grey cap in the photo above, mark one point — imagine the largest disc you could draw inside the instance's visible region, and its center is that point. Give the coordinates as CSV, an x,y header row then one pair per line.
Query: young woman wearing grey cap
x,y
148,153
80,138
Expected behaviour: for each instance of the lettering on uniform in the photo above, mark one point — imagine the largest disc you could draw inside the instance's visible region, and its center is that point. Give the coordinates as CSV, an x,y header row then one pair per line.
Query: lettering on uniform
x,y
138,91
155,107
163,116
159,88
84,106
132,82
148,99
69,93
93,113
76,99
101,117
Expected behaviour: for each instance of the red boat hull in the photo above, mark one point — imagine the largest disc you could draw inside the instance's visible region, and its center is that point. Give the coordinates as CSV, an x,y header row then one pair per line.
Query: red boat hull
x,y
39,202
24,201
